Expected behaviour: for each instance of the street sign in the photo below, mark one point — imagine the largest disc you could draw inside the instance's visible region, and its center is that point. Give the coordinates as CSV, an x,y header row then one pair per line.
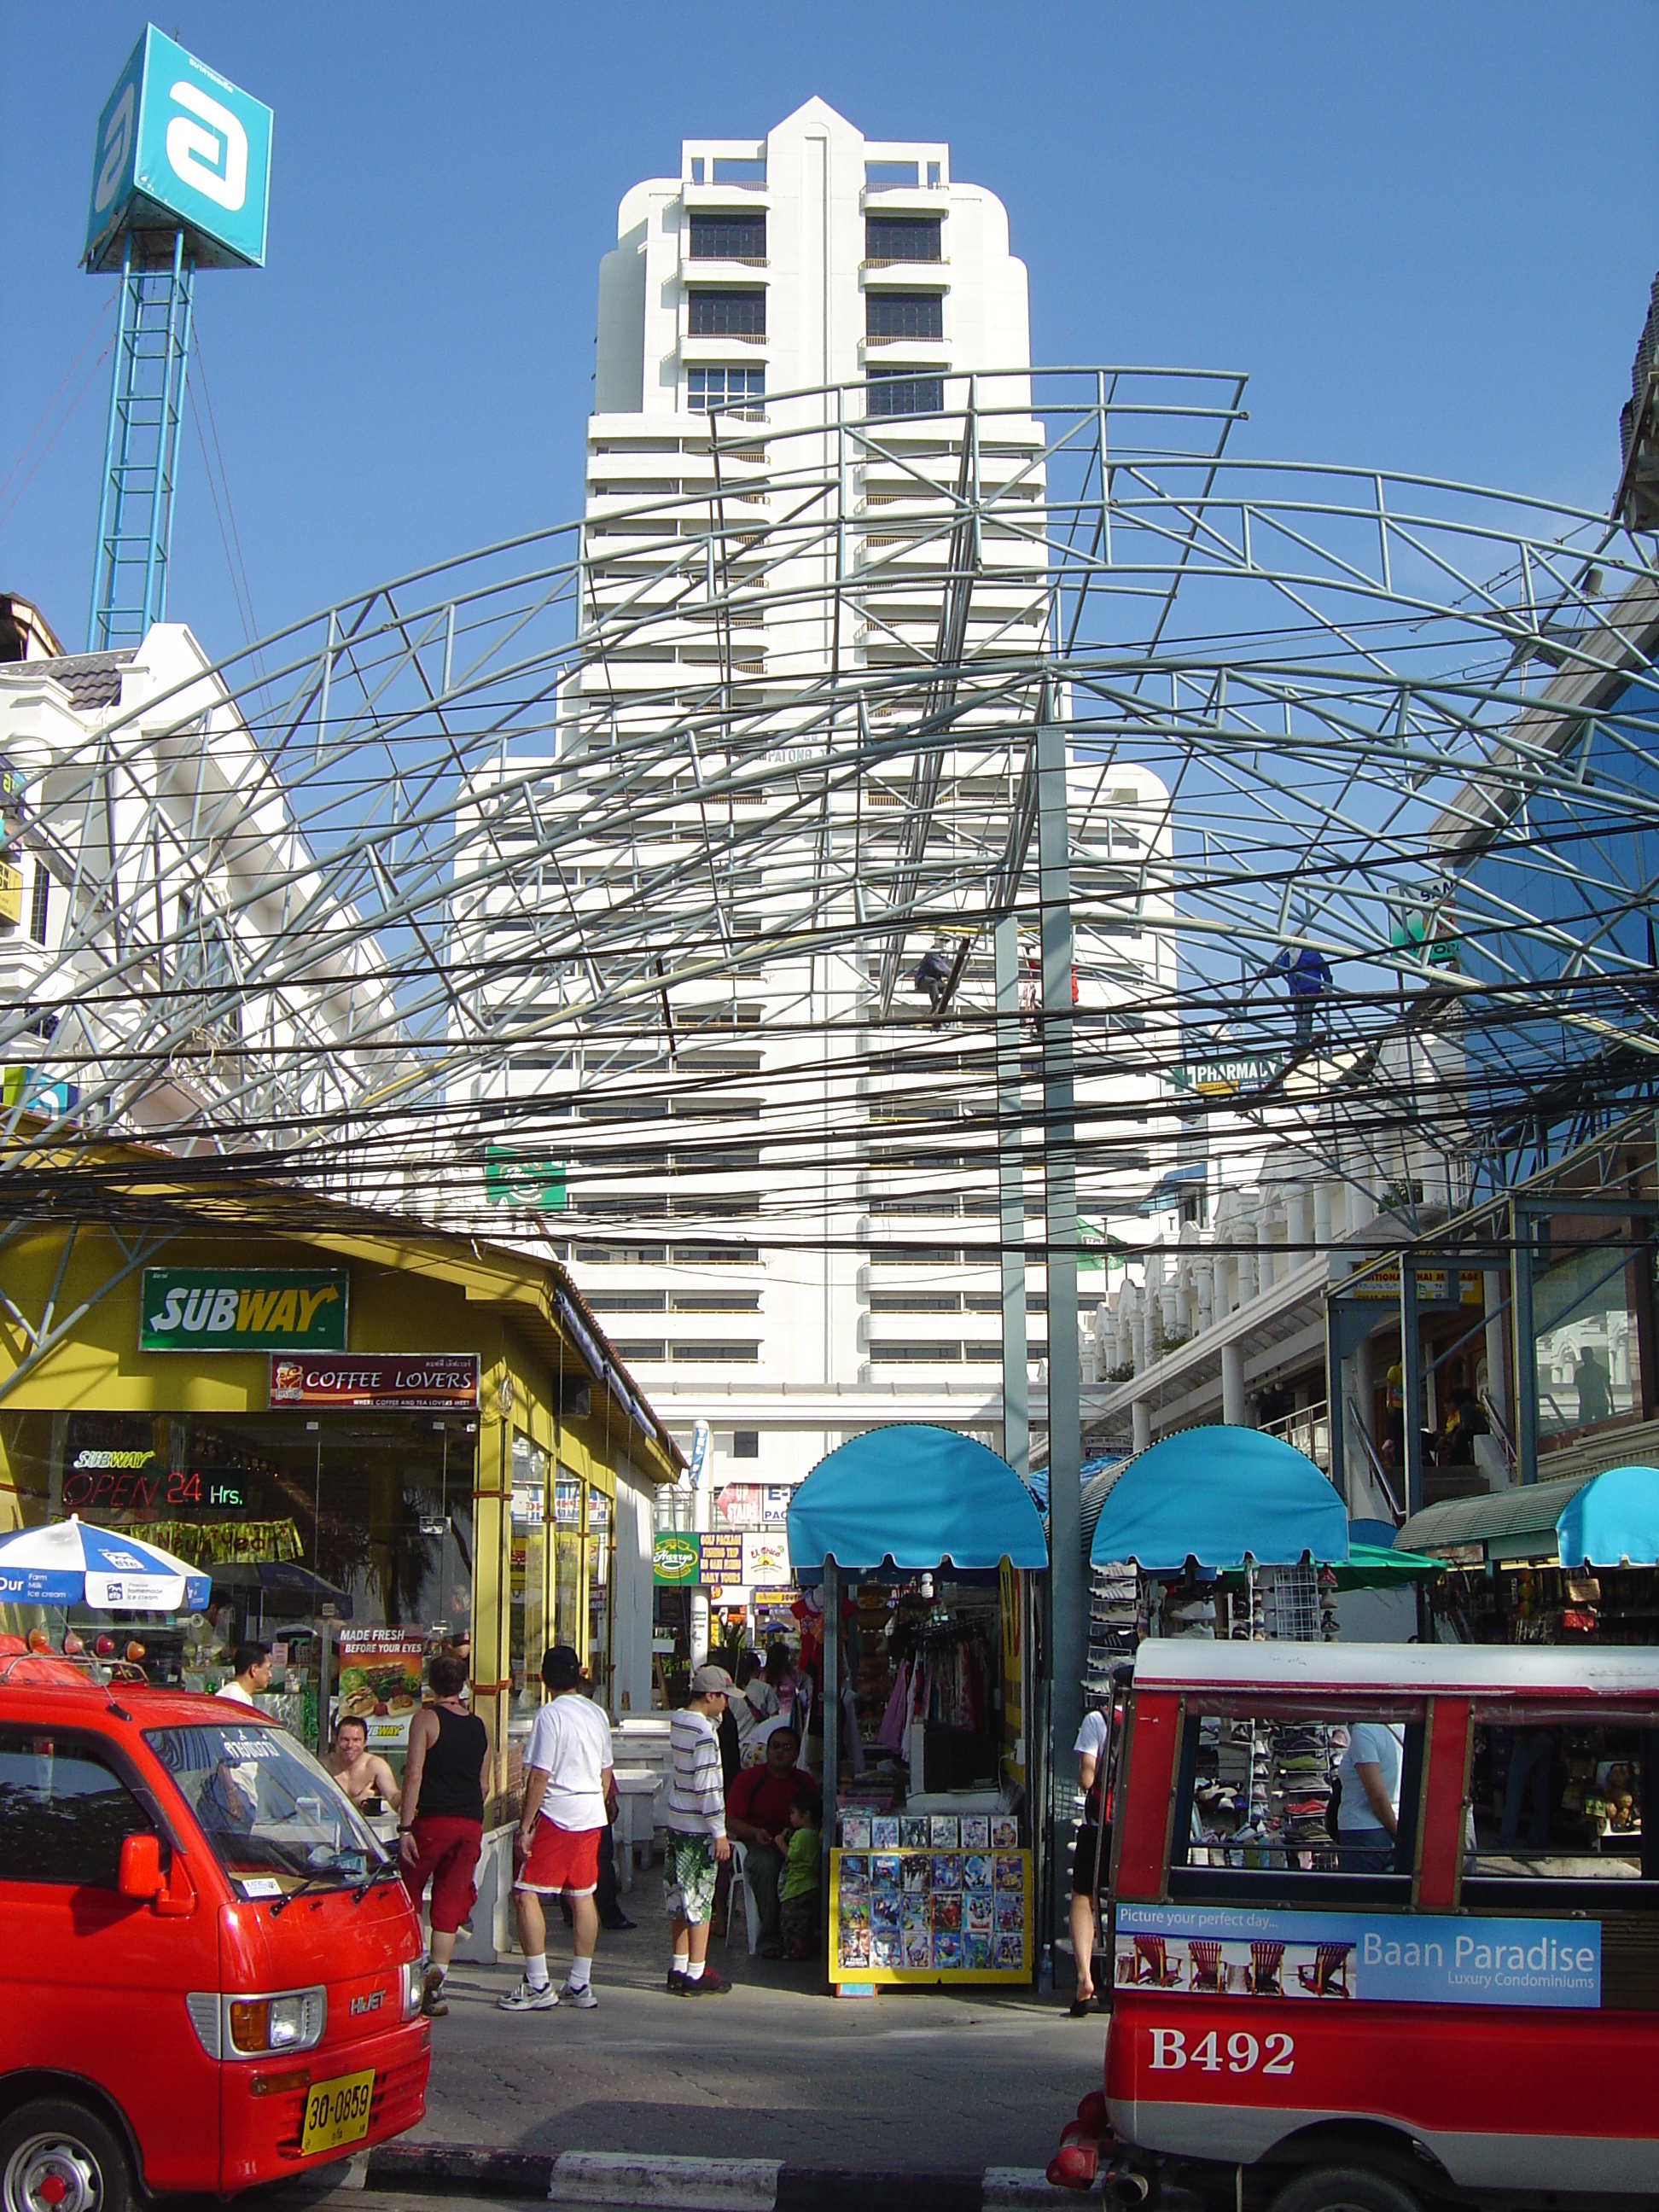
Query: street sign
x,y
513,1178
243,1310
179,148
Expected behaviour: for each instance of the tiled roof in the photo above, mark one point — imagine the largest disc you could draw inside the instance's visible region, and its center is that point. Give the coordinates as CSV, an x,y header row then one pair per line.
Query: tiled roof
x,y
92,679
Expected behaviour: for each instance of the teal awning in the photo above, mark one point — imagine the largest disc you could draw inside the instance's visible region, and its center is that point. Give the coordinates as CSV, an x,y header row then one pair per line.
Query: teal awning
x,y
1605,1520
1217,1495
919,1496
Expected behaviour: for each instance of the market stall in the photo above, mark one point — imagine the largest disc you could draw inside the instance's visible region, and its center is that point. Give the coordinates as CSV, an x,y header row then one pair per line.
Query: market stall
x,y
1552,1563
927,1555
1224,1532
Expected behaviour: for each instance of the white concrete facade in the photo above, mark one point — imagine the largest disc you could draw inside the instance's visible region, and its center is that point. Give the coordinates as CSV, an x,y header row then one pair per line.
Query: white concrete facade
x,y
790,1229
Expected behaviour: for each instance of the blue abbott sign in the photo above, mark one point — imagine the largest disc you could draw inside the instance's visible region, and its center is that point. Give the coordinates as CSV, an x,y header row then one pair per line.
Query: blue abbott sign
x,y
179,149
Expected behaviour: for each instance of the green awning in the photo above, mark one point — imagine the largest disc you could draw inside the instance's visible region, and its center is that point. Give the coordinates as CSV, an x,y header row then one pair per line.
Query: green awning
x,y
1375,1566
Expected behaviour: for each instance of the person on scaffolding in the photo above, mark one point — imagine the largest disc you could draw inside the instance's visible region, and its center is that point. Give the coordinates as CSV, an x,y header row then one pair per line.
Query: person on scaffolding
x,y
1308,976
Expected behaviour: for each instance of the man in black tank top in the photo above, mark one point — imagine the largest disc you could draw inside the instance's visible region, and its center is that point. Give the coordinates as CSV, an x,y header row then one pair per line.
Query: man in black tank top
x,y
442,1814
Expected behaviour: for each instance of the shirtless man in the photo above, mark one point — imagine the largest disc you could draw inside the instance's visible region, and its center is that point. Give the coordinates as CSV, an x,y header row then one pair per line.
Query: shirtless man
x,y
358,1773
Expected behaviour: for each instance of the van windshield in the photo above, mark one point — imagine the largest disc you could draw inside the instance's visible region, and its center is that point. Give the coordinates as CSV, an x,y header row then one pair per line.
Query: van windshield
x,y
275,1818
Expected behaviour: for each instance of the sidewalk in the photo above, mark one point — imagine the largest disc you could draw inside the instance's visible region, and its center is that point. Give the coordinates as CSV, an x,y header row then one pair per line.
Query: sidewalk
x,y
967,2080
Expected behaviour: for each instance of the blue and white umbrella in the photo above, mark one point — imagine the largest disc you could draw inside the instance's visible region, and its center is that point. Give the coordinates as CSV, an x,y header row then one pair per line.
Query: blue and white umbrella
x,y
70,1562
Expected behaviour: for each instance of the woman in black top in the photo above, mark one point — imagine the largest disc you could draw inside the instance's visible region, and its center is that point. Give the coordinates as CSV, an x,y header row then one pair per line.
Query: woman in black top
x,y
442,1814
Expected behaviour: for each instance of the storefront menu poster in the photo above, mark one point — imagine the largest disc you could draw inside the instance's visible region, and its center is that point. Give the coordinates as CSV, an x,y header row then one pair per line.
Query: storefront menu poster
x,y
380,1684
913,1916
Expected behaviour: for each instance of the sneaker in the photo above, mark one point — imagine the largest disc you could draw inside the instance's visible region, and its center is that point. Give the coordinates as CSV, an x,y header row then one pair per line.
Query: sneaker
x,y
677,1984
709,1983
527,1999
434,2003
583,1998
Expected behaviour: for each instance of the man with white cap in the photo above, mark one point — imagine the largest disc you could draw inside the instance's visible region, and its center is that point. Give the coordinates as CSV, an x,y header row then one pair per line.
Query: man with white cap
x,y
695,1817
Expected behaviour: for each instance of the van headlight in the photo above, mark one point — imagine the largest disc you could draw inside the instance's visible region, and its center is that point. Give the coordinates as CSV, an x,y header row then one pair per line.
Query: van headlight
x,y
414,1987
256,2026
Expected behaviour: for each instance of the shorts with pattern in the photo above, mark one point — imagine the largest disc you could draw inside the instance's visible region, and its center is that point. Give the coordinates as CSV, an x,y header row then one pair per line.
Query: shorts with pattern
x,y
688,1872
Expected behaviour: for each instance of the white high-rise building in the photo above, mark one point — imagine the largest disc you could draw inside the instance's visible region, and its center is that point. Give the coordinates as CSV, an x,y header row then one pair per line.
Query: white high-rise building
x,y
783,1187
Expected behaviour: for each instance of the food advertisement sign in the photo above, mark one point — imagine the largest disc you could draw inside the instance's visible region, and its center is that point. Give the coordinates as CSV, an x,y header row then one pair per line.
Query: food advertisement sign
x,y
674,1561
395,1382
381,1671
243,1310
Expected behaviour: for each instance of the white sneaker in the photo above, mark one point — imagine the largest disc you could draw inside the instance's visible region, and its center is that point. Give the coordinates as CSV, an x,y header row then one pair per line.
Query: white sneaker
x,y
583,1998
528,1998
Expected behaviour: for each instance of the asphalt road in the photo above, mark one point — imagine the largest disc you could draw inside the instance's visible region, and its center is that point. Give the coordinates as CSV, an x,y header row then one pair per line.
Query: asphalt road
x,y
776,2069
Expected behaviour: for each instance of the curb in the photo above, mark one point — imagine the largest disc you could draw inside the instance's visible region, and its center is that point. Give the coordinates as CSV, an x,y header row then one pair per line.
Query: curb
x,y
702,2184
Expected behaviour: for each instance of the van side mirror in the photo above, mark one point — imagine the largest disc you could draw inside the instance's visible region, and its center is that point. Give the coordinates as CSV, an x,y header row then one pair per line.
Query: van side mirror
x,y
140,1874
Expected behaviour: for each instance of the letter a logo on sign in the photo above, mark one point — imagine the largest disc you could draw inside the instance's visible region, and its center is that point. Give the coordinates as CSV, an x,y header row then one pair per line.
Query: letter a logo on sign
x,y
213,161
117,148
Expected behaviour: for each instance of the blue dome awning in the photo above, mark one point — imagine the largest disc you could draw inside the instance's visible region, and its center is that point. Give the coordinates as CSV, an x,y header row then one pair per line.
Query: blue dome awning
x,y
1613,1522
1217,1495
919,1496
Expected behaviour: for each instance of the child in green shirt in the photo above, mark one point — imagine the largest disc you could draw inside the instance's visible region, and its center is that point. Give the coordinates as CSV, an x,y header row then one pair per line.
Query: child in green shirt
x,y
798,1888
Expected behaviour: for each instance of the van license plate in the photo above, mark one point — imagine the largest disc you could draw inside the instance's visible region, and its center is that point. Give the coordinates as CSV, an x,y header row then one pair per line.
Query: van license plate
x,y
336,2112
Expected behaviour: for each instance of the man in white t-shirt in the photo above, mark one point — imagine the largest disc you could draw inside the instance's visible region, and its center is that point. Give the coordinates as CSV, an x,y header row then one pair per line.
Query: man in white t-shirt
x,y
1368,1816
1090,1856
568,1778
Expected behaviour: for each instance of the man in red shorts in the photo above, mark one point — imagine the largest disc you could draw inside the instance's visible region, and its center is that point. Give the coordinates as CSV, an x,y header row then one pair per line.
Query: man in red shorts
x,y
568,1778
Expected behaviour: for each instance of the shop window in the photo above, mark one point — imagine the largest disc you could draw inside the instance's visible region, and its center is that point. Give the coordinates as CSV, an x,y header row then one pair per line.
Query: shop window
x,y
1586,1298
599,1511
568,1523
527,1578
63,1815
1564,1802
1271,1806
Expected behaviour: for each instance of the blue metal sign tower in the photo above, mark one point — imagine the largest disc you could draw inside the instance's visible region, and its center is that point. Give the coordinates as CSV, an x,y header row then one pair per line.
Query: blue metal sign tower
x,y
181,180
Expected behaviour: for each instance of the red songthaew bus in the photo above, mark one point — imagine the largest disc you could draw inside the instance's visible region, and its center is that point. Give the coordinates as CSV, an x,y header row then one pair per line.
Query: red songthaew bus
x,y
209,1971
1312,2014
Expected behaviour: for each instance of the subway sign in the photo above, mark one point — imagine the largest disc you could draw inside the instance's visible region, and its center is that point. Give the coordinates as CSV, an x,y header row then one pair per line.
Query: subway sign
x,y
243,1310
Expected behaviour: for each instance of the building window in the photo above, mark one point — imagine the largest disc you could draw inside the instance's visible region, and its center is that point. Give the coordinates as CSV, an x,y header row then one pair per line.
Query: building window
x,y
735,392
893,1354
883,176
727,314
728,390
716,1355
903,315
41,907
901,391
902,238
638,1352
728,237
745,1444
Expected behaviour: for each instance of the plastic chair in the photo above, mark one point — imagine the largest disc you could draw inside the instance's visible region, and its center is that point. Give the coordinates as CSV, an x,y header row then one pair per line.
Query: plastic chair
x,y
1266,1961
1329,1971
1204,1959
751,1910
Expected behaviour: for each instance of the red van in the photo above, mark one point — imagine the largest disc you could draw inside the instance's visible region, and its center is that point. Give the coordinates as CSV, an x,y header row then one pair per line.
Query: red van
x,y
1313,2013
209,1971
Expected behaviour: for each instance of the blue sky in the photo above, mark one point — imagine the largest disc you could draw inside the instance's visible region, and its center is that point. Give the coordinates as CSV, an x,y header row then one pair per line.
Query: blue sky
x,y
1425,231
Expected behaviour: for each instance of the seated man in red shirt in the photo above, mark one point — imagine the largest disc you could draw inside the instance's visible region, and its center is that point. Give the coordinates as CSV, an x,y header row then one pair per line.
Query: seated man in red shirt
x,y
758,1817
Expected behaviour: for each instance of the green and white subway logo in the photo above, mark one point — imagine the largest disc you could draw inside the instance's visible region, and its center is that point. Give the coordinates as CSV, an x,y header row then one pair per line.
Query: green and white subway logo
x,y
243,1310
